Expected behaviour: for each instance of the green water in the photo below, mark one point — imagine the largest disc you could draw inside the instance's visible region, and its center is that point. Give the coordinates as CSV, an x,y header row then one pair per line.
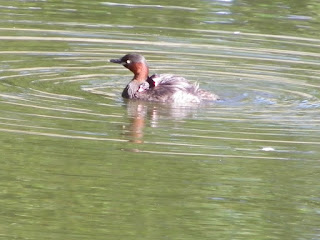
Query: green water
x,y
79,162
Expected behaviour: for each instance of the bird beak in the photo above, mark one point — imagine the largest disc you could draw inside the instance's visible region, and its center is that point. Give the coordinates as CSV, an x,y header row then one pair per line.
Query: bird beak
x,y
115,61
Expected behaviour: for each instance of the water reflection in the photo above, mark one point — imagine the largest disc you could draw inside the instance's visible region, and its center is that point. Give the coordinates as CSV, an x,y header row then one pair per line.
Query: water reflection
x,y
141,113
137,112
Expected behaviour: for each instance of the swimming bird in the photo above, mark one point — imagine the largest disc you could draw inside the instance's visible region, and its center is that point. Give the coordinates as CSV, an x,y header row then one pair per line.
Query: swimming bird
x,y
159,87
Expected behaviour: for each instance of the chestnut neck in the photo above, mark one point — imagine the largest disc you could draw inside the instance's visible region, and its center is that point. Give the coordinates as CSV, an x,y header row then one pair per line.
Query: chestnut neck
x,y
140,71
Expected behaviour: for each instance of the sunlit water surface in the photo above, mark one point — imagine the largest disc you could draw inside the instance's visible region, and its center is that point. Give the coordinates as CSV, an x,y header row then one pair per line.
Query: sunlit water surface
x,y
79,162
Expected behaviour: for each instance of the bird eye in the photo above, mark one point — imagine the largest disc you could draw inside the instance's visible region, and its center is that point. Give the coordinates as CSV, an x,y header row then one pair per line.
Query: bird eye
x,y
128,61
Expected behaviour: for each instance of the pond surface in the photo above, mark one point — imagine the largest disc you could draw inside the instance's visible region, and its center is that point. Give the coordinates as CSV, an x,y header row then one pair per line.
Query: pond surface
x,y
79,162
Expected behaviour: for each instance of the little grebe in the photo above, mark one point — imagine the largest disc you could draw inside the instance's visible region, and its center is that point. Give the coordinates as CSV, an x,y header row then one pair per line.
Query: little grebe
x,y
159,87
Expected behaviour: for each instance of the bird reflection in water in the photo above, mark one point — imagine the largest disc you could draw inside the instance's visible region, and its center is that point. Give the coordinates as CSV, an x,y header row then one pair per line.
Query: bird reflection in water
x,y
143,114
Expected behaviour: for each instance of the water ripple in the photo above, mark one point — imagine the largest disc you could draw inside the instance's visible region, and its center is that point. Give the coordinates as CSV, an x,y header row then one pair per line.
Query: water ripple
x,y
112,4
273,88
